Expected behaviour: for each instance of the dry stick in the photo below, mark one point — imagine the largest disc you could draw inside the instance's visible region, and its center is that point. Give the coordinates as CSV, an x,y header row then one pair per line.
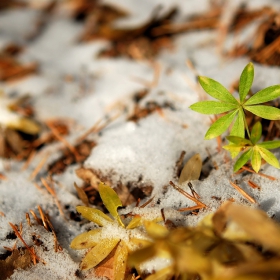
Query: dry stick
x,y
253,185
63,140
28,219
95,128
261,174
28,161
43,217
192,208
199,203
242,192
147,202
53,193
39,167
35,257
36,217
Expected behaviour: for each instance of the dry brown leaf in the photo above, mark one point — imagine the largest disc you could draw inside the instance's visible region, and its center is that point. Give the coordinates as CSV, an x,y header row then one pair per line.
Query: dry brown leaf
x,y
20,258
82,195
191,170
256,224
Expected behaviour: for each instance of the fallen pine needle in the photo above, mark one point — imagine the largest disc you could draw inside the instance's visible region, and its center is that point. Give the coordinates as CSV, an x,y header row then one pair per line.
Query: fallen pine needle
x,y
243,193
253,185
31,250
63,140
199,203
39,167
261,174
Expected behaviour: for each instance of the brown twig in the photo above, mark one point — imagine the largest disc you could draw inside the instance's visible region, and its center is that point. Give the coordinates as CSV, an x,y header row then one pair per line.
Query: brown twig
x,y
39,167
243,193
199,203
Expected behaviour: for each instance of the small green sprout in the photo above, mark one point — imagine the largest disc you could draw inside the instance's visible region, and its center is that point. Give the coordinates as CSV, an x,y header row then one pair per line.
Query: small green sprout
x,y
103,240
252,150
234,113
235,108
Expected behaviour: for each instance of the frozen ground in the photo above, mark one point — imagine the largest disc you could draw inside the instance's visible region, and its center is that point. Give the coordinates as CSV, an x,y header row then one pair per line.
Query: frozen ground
x,y
125,151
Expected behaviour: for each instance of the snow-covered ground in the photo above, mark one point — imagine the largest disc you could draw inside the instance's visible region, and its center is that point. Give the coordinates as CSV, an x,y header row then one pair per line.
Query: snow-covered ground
x,y
145,151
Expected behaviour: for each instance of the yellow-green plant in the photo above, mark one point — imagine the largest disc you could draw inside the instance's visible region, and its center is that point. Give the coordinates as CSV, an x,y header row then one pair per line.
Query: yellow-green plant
x,y
234,111
110,234
230,244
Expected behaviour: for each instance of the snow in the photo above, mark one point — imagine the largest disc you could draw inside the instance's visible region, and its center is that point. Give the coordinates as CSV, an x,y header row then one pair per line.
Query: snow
x,y
126,150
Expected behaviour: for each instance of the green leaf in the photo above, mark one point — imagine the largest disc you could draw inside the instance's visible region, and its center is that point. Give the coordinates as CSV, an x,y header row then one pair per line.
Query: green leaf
x,y
256,160
220,126
242,160
238,128
263,111
212,107
94,215
216,90
269,157
256,132
98,253
264,95
270,144
239,140
246,80
86,240
111,201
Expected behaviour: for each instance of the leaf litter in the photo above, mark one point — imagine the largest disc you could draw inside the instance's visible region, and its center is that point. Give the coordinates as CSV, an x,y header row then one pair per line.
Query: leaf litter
x,y
103,165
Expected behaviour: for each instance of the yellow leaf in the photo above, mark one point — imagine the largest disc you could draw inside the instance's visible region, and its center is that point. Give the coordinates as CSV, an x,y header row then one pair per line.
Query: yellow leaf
x,y
155,230
111,201
25,125
94,215
135,222
98,253
86,239
120,261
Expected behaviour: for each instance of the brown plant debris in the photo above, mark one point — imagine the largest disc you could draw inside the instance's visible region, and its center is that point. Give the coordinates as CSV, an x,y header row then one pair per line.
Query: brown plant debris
x,y
20,258
243,193
137,43
82,151
128,193
11,69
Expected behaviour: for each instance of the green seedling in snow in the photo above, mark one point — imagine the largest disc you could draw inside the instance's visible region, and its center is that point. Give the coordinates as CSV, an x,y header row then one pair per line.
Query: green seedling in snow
x,y
235,109
234,113
251,150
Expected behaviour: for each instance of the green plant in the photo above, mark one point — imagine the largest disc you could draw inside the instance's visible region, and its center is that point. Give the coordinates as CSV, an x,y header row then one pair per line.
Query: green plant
x,y
234,113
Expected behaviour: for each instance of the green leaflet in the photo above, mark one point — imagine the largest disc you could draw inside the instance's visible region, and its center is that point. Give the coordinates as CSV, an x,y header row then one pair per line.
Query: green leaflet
x,y
111,201
242,160
270,144
238,128
220,126
269,157
264,95
256,132
239,140
212,107
246,80
263,111
216,90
